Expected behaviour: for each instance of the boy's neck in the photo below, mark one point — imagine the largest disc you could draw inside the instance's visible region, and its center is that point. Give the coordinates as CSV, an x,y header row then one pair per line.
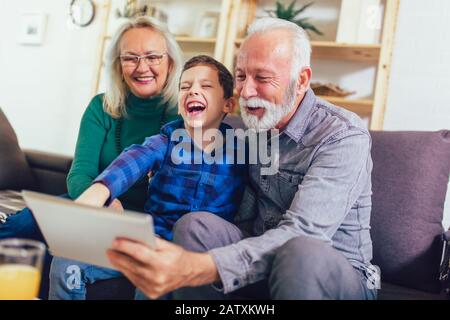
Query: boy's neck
x,y
197,135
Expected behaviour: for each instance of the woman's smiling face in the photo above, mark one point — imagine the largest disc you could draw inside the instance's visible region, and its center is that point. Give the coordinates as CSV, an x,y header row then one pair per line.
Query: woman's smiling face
x,y
144,78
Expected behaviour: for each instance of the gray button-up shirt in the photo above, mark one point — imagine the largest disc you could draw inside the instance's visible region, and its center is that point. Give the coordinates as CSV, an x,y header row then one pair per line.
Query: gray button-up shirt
x,y
322,190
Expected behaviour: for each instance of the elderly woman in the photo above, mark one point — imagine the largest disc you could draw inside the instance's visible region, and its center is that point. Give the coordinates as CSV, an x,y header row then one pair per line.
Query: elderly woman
x,y
143,67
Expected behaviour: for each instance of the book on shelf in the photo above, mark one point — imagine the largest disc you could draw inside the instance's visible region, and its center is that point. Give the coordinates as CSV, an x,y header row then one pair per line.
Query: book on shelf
x,y
360,21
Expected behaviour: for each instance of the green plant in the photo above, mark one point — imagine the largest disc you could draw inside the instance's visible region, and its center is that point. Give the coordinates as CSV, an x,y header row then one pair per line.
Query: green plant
x,y
290,14
131,10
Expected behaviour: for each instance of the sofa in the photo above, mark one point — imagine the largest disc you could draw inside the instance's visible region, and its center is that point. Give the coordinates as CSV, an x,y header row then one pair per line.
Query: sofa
x,y
410,177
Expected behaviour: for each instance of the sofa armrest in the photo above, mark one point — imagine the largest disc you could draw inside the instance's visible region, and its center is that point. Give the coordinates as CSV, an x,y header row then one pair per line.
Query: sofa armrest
x,y
50,171
48,161
444,269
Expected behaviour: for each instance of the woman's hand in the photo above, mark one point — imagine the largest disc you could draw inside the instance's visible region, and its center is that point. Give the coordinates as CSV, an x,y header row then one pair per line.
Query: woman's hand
x,y
96,195
116,205
157,271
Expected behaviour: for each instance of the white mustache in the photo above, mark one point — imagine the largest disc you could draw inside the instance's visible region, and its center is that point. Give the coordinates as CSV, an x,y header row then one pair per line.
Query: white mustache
x,y
256,103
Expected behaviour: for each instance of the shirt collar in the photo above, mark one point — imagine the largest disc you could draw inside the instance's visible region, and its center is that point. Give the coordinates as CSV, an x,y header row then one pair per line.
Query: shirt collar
x,y
170,127
144,107
296,127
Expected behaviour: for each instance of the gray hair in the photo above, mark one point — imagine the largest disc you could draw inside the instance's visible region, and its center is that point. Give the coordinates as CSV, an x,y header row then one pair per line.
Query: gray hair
x,y
301,56
116,88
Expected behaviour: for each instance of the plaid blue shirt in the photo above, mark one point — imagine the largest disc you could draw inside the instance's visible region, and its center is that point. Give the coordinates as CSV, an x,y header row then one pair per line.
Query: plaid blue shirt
x,y
178,188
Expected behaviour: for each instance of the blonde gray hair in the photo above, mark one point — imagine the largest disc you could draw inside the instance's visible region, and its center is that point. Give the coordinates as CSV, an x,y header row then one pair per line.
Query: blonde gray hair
x,y
301,55
116,89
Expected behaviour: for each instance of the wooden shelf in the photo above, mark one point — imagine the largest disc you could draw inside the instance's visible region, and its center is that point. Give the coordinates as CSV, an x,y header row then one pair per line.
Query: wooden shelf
x,y
195,40
187,39
237,13
345,51
342,51
362,107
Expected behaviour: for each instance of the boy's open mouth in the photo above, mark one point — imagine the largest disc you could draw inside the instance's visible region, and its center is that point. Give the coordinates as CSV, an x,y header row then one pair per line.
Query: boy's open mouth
x,y
194,108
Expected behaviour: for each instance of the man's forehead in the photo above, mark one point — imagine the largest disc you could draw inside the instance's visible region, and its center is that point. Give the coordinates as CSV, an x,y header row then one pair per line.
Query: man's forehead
x,y
269,40
257,50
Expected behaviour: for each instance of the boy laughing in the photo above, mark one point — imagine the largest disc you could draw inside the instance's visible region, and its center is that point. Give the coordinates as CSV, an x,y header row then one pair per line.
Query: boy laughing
x,y
177,186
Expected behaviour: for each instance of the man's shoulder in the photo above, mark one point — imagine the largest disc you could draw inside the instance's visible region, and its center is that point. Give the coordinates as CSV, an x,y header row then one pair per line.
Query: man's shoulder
x,y
329,122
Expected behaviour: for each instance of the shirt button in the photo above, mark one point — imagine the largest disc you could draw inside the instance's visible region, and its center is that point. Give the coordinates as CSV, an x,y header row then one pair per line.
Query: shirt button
x,y
235,282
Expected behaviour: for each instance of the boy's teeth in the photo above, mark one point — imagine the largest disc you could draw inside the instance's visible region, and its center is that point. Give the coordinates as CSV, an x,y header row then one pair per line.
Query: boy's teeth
x,y
195,104
195,107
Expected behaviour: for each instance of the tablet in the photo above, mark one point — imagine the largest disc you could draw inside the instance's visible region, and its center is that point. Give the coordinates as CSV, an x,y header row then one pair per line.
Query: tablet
x,y
84,233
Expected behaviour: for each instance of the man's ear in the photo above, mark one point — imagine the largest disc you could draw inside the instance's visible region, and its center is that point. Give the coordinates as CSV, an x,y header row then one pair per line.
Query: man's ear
x,y
230,103
303,80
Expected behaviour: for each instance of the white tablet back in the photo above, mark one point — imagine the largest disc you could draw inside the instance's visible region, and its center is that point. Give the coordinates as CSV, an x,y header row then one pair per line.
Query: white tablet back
x,y
84,233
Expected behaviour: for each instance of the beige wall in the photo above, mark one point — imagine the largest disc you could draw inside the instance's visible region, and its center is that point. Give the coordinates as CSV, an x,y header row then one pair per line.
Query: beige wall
x,y
419,89
44,89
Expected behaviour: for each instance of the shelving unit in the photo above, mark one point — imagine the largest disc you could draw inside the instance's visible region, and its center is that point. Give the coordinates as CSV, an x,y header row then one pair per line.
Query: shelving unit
x,y
214,46
194,40
223,47
341,51
363,107
377,54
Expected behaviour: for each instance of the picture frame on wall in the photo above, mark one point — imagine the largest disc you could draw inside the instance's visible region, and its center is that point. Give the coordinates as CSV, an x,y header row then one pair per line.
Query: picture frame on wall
x,y
360,21
32,28
207,26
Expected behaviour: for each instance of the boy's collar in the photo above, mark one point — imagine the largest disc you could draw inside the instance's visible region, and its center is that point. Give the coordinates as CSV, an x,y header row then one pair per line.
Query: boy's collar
x,y
170,127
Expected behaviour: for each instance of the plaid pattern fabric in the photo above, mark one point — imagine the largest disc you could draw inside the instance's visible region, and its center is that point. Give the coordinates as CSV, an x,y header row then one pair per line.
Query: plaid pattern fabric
x,y
10,202
178,188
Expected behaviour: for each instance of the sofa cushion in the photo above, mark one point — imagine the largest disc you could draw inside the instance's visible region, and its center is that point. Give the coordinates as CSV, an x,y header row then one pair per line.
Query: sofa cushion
x,y
15,172
410,178
235,121
392,292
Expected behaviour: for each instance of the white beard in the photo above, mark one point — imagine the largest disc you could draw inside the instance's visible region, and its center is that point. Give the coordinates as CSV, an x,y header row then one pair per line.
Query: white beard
x,y
274,112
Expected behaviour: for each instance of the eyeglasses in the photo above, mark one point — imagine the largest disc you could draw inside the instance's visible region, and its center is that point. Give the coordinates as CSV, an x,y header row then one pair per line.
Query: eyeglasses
x,y
131,60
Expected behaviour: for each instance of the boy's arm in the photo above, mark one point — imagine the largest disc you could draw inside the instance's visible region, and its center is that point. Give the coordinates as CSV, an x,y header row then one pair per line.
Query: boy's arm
x,y
131,165
96,195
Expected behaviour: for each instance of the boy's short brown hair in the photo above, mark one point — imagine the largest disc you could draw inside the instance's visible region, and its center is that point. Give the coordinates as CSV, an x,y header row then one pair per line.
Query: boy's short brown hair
x,y
225,77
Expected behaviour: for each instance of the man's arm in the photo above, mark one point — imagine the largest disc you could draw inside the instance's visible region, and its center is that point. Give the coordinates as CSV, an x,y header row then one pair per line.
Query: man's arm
x,y
332,184
156,271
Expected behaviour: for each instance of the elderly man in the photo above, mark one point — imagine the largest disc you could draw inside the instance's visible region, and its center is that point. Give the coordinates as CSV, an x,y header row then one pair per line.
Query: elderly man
x,y
308,235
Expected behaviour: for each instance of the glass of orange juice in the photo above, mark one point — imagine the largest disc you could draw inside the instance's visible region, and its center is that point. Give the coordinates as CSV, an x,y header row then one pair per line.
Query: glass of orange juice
x,y
20,268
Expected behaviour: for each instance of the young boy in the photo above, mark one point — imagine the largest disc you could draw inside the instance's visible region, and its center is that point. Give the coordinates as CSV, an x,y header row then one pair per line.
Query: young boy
x,y
177,186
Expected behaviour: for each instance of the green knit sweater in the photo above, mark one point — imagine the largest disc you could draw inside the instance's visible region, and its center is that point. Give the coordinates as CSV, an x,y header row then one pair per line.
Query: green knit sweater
x,y
97,144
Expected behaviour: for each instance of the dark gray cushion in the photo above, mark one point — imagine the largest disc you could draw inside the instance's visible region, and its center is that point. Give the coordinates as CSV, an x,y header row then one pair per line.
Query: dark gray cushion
x,y
14,170
235,121
410,177
392,292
